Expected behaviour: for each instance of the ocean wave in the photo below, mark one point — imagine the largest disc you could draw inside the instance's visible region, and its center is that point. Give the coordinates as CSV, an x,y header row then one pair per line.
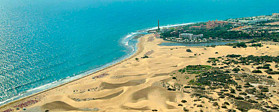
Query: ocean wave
x,y
125,41
128,37
168,26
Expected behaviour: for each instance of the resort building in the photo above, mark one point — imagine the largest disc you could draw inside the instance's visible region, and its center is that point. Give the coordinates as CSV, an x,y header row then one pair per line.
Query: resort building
x,y
198,36
210,25
214,24
189,37
186,35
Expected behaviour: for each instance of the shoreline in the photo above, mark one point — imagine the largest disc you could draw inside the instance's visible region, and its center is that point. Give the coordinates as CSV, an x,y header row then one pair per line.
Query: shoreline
x,y
135,83
108,65
138,48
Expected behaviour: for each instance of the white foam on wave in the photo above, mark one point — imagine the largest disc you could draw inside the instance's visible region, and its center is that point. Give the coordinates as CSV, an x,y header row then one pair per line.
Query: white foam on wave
x,y
44,87
11,99
128,37
126,42
169,26
41,87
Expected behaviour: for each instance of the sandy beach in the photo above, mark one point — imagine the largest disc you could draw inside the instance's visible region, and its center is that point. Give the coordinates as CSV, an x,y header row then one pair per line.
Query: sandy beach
x,y
134,84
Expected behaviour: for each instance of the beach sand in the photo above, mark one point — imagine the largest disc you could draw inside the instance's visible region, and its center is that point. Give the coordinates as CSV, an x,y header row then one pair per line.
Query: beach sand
x,y
134,84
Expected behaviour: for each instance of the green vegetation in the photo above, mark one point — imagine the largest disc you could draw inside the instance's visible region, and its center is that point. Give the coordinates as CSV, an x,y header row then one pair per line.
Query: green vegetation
x,y
236,70
257,71
213,78
145,56
198,67
233,56
237,87
255,60
213,60
195,69
232,29
257,45
188,50
269,71
240,44
266,66
267,37
220,31
259,59
244,106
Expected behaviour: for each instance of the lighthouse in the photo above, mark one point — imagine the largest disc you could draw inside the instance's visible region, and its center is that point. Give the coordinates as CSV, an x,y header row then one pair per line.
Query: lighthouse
x,y
158,25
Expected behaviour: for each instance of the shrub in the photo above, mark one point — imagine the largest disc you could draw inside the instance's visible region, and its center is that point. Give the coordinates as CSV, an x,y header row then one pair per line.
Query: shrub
x,y
236,70
224,106
243,93
232,91
185,110
257,45
239,86
241,44
215,104
239,98
233,56
226,103
145,56
183,101
264,89
188,50
257,71
252,101
231,110
227,71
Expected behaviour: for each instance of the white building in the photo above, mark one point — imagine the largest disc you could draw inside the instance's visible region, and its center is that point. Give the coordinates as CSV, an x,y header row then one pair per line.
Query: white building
x,y
190,36
198,36
186,35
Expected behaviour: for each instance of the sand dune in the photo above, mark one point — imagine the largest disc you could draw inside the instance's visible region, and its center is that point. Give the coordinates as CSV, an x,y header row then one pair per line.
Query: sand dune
x,y
105,85
135,84
58,106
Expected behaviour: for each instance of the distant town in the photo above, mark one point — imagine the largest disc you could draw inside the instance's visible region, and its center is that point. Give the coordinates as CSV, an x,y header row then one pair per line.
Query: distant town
x,y
258,28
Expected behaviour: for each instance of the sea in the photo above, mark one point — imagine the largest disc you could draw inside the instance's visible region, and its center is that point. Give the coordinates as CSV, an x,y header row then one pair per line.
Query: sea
x,y
45,43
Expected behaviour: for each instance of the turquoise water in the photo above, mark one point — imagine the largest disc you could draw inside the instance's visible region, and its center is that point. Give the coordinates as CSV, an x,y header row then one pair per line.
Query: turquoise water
x,y
44,43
